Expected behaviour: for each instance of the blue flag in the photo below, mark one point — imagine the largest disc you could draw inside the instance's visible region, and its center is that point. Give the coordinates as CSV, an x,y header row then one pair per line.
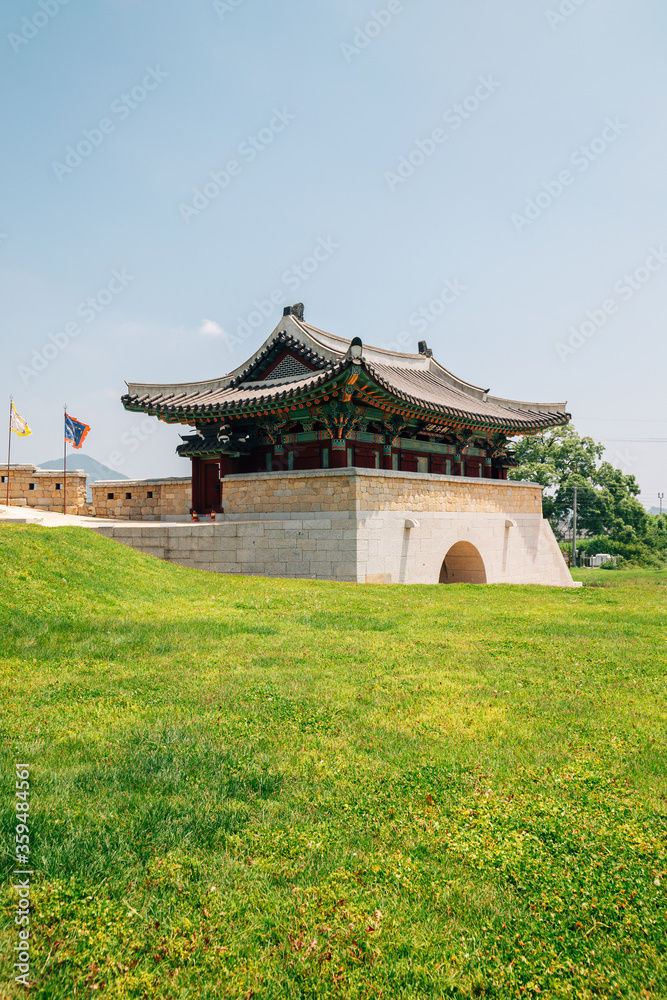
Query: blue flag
x,y
75,431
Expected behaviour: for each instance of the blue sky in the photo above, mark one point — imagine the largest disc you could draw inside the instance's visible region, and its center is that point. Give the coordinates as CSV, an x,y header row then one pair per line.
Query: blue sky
x,y
513,148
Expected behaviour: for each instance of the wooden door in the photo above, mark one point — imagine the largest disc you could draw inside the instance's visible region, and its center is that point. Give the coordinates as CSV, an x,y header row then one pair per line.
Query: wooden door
x,y
211,486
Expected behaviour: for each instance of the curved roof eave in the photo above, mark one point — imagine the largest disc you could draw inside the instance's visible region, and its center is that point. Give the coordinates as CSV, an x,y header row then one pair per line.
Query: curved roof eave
x,y
287,324
420,369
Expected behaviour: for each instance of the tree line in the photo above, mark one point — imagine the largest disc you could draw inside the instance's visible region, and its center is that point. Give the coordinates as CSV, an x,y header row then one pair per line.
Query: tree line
x,y
610,518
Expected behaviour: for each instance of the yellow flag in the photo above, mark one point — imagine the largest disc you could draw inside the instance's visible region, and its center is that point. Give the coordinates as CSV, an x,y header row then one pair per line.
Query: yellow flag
x,y
18,424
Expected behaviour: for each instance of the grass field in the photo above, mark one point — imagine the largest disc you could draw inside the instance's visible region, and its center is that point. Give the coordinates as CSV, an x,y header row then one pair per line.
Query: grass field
x,y
260,788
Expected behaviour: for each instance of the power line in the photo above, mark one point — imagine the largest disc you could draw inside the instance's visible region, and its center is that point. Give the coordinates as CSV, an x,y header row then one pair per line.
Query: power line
x,y
626,420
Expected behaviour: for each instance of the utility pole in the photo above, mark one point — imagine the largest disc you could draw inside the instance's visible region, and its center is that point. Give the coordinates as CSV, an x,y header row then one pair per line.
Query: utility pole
x,y
65,459
574,528
9,447
661,497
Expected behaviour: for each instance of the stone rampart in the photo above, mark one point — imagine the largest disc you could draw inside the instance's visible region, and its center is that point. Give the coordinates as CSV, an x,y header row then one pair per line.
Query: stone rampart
x,y
30,486
142,499
358,490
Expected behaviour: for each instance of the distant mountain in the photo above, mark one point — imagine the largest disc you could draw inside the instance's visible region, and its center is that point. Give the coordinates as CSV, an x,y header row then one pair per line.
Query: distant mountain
x,y
94,469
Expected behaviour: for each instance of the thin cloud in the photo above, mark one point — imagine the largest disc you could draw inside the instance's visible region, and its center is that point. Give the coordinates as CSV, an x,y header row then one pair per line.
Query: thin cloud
x,y
209,328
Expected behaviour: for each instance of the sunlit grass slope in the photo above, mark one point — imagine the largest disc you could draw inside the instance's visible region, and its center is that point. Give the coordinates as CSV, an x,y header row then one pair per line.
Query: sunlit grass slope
x,y
262,788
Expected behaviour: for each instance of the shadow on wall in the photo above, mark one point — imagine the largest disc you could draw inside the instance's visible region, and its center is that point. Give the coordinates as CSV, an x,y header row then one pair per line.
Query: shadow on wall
x,y
462,564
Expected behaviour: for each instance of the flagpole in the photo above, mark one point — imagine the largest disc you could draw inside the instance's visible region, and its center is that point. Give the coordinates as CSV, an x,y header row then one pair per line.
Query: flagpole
x,y
9,445
65,459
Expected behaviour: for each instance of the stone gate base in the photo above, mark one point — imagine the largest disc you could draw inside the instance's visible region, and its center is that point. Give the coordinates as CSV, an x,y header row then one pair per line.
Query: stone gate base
x,y
372,526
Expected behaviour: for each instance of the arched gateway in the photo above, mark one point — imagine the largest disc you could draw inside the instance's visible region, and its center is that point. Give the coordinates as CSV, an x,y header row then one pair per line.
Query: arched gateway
x,y
462,564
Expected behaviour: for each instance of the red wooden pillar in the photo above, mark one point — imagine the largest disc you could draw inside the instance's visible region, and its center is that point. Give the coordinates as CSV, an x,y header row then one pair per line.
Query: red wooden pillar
x,y
386,457
338,458
196,484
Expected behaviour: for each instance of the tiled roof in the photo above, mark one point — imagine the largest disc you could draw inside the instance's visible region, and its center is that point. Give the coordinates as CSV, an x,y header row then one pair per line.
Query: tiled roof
x,y
428,390
225,440
414,379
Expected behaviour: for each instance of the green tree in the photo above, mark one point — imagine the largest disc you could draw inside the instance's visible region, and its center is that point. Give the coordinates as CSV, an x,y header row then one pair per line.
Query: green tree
x,y
656,533
606,497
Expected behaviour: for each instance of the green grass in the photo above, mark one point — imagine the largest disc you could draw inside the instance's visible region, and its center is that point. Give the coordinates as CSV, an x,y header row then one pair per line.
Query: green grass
x,y
635,576
261,788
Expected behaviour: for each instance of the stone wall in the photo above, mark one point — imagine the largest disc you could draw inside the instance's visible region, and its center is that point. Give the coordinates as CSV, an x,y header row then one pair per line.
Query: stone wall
x,y
362,549
366,526
143,499
316,548
30,486
359,490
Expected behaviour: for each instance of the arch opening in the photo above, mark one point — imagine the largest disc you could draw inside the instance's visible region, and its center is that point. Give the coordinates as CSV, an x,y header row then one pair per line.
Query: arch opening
x,y
462,564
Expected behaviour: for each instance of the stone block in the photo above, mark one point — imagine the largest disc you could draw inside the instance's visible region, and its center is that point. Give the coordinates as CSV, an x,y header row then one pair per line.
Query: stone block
x,y
226,530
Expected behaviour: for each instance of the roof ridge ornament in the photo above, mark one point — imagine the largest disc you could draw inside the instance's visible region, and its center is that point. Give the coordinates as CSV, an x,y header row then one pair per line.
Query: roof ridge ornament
x,y
356,348
295,310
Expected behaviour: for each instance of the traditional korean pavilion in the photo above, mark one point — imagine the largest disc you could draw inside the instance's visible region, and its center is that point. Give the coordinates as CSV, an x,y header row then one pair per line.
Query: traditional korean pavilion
x,y
311,400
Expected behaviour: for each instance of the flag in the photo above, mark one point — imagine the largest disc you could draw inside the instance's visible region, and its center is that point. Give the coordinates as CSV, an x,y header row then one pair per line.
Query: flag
x,y
18,424
75,431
